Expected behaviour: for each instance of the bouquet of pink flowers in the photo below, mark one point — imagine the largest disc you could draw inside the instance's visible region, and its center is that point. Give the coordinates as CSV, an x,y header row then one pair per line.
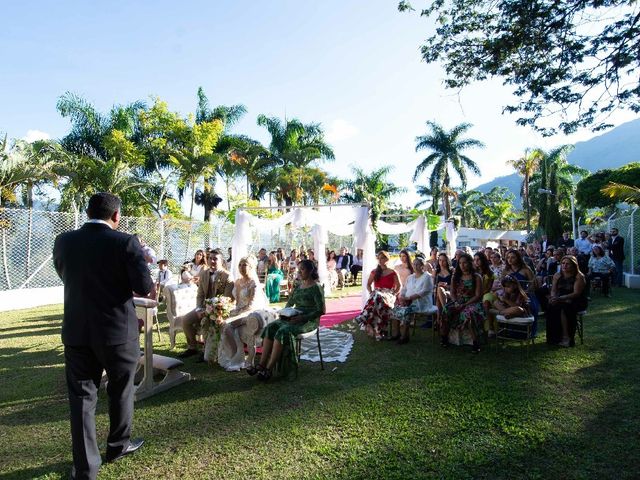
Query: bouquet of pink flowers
x,y
216,309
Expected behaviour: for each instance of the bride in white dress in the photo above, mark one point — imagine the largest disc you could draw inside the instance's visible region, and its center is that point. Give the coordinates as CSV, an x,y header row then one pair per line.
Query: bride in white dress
x,y
249,297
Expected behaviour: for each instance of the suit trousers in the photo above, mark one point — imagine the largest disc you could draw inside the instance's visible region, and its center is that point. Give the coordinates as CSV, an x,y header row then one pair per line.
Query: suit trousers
x,y
83,368
190,327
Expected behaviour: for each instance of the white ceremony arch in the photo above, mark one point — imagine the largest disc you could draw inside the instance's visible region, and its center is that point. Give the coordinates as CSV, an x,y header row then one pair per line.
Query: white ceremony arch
x,y
339,219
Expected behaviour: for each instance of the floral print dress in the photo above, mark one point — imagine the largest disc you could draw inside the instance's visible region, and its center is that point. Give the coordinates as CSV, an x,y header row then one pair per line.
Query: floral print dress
x,y
472,316
376,313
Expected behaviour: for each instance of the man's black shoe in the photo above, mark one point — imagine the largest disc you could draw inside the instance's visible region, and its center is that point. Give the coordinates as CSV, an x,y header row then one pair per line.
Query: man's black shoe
x,y
133,446
188,353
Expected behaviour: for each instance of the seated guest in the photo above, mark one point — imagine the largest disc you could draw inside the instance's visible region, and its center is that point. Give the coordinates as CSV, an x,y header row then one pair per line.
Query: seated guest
x,y
311,255
482,267
602,267
456,256
186,277
433,260
497,266
263,261
465,309
213,282
356,266
274,278
443,275
343,265
568,297
331,269
416,296
383,285
279,337
199,263
518,269
404,268
164,274
249,297
514,302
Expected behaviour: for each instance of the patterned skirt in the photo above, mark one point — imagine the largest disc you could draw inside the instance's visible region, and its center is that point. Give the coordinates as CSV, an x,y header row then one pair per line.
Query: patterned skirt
x,y
377,311
471,317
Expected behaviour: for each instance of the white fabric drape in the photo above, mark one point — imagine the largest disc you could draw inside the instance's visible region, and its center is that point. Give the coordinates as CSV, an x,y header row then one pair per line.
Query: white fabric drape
x,y
451,239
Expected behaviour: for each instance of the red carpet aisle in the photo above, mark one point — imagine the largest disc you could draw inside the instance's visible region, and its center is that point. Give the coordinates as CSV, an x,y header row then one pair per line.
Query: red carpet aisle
x,y
335,345
340,310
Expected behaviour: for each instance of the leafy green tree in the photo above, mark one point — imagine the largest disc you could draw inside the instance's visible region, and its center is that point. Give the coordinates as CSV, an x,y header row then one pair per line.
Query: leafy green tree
x,y
558,176
296,147
497,208
526,166
577,61
373,188
446,149
589,192
468,207
224,166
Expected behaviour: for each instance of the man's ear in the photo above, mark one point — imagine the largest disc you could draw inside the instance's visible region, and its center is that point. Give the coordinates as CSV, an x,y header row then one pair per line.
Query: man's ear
x,y
115,218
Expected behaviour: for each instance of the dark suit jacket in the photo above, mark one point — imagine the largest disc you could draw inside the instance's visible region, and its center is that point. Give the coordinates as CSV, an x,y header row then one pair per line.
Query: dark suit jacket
x,y
344,262
616,248
223,286
100,269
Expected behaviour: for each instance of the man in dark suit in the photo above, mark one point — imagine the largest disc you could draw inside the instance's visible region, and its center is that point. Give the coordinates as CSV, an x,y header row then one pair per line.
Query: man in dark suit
x,y
100,269
343,265
616,252
213,282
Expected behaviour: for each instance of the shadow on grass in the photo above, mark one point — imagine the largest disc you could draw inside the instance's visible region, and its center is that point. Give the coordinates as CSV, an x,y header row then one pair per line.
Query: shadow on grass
x,y
44,471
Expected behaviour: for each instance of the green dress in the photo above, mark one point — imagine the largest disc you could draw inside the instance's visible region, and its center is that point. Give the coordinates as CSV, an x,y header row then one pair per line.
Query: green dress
x,y
310,301
272,284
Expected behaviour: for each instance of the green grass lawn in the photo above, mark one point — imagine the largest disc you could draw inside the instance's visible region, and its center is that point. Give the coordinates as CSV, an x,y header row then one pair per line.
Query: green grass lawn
x,y
412,411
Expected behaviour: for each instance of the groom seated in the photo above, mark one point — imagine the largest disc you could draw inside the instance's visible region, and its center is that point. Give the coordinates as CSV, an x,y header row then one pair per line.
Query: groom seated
x,y
213,282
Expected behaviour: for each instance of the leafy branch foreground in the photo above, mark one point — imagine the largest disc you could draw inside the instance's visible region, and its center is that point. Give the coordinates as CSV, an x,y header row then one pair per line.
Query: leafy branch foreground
x,y
390,412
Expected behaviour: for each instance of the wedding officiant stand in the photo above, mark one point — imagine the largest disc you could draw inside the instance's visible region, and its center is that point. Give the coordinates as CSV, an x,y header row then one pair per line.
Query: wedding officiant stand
x,y
155,363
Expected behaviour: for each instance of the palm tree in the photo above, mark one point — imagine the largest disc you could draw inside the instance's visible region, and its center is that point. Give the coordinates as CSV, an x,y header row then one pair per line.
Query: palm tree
x,y
89,127
296,147
228,116
373,188
557,176
525,166
622,192
467,207
446,151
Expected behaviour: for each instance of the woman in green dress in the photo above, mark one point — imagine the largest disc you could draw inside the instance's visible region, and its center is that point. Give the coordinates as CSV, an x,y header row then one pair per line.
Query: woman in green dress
x,y
279,337
274,278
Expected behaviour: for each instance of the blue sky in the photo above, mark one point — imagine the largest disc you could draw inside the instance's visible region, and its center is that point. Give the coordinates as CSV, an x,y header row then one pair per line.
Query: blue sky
x,y
354,66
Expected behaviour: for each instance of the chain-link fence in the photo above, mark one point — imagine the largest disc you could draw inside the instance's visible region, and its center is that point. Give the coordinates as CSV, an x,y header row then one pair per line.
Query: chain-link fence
x,y
27,238
628,225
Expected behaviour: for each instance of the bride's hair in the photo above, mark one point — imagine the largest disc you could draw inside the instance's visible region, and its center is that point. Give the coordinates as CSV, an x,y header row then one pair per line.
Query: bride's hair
x,y
252,263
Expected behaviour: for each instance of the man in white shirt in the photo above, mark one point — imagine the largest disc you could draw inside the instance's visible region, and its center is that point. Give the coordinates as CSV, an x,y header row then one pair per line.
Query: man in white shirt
x,y
583,244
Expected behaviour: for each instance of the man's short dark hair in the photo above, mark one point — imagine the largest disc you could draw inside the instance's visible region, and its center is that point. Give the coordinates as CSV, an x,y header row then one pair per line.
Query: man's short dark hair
x,y
103,205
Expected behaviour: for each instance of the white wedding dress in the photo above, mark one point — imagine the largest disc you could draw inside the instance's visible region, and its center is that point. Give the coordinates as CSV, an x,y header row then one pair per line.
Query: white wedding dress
x,y
250,297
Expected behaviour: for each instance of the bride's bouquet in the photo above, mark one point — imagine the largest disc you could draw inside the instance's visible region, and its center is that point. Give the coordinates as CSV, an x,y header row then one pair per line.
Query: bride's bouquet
x,y
216,309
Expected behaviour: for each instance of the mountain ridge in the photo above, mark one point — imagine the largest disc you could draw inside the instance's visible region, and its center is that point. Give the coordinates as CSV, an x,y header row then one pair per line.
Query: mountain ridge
x,y
612,149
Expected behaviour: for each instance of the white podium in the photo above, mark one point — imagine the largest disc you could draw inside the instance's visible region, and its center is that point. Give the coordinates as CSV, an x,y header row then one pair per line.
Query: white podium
x,y
155,363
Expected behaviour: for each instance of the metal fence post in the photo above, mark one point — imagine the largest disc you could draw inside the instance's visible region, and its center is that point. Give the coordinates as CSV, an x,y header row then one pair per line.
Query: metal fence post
x,y
29,234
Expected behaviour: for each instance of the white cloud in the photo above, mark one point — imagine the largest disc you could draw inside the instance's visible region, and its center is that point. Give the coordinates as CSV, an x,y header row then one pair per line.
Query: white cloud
x,y
340,130
33,135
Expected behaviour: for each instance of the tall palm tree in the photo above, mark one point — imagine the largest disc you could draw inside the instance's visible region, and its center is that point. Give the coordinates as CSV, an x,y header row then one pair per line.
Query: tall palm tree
x,y
558,176
526,166
373,188
295,146
228,116
446,149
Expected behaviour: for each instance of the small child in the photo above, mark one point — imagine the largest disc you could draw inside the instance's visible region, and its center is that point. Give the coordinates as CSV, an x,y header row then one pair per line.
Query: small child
x,y
514,302
164,275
